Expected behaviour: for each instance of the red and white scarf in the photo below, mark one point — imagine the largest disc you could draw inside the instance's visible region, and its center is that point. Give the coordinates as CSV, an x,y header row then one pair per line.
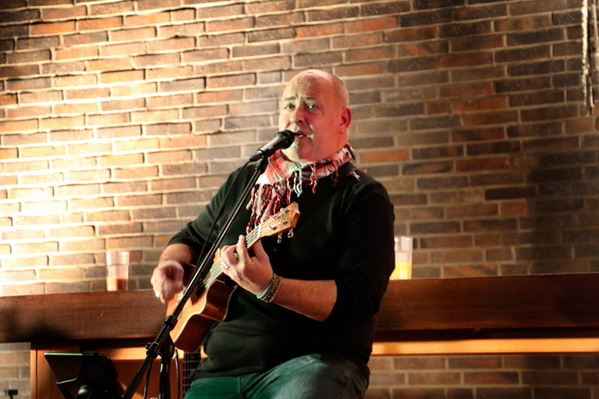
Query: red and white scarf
x,y
282,177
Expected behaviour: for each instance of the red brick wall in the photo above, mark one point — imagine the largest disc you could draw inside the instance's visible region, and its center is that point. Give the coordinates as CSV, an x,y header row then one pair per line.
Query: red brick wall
x,y
119,119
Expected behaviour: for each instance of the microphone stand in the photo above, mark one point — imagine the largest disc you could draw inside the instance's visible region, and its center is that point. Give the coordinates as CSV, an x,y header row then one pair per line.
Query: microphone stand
x,y
155,348
166,354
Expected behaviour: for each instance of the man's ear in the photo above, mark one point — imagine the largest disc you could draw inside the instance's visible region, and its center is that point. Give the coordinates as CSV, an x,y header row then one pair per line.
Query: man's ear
x,y
346,116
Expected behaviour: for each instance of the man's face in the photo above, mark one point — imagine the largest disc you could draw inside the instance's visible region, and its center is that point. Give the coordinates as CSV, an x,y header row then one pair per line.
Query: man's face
x,y
311,107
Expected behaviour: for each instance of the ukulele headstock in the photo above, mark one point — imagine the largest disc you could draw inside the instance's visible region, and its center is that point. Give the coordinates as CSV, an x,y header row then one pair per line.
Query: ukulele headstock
x,y
284,220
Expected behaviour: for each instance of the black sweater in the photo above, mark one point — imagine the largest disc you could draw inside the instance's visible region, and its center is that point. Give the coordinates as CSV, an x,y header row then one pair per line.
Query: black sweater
x,y
344,233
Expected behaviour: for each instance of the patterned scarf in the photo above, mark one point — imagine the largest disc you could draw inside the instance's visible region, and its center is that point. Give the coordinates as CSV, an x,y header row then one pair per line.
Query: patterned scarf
x,y
282,177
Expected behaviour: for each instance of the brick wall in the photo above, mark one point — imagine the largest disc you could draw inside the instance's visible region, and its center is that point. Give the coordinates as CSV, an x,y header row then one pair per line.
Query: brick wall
x,y
497,377
119,120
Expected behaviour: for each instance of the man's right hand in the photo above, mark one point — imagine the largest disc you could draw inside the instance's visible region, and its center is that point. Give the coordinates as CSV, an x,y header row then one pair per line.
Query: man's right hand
x,y
167,279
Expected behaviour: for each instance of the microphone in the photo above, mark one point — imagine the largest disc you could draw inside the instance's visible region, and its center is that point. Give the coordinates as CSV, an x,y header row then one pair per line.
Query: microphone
x,y
283,139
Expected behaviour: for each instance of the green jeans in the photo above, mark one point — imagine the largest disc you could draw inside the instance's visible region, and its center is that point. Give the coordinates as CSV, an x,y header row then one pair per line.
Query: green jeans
x,y
315,376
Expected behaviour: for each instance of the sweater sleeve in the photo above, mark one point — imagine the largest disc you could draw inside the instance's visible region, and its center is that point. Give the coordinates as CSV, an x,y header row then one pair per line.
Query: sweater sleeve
x,y
367,255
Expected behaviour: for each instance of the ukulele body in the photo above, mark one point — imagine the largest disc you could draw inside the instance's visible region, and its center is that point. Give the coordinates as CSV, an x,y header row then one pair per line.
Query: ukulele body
x,y
199,314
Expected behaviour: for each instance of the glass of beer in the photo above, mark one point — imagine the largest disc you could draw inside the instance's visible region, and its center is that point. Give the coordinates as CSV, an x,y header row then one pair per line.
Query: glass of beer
x,y
117,270
403,258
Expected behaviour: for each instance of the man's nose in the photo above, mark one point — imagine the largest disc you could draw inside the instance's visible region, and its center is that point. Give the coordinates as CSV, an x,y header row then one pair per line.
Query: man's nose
x,y
297,116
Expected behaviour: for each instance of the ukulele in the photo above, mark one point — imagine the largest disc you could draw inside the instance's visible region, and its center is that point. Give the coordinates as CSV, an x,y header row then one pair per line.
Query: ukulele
x,y
210,301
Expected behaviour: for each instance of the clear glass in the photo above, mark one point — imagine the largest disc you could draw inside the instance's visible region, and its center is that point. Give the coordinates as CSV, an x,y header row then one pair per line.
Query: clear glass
x,y
403,258
117,270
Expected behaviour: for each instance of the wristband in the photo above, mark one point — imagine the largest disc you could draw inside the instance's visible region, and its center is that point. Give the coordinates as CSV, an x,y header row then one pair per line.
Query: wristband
x,y
271,289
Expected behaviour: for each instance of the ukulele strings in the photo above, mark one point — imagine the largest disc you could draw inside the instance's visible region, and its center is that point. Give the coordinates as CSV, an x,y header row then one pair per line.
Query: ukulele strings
x,y
251,239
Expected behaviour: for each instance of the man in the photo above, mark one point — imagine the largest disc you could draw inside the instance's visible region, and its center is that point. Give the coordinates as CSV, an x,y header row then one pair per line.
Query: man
x,y
300,322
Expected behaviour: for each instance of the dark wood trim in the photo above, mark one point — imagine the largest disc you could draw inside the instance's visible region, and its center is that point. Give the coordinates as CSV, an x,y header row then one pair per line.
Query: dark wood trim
x,y
442,308
516,302
80,316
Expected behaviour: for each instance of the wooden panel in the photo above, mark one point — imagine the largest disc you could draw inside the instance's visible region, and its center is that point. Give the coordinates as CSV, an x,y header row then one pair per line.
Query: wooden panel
x,y
425,310
80,316
519,302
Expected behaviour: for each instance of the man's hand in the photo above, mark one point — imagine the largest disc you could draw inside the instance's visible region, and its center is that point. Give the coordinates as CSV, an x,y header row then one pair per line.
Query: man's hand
x,y
167,279
252,273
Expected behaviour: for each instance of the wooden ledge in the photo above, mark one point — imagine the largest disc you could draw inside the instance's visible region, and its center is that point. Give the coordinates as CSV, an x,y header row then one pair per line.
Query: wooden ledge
x,y
548,313
516,314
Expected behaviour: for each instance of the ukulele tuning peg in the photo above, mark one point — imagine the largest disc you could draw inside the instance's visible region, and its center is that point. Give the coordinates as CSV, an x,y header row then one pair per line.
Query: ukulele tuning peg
x,y
279,238
290,234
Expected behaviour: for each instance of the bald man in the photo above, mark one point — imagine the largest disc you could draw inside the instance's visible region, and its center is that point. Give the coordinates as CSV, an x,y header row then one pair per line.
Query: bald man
x,y
299,324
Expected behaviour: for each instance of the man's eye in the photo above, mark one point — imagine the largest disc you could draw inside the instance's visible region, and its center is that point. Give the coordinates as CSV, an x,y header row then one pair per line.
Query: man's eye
x,y
311,106
289,106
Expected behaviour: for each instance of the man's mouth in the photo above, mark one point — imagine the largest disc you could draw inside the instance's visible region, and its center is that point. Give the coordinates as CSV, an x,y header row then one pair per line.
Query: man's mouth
x,y
300,134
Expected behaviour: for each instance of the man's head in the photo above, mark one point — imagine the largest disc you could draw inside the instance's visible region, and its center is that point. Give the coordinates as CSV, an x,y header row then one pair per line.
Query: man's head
x,y
314,104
